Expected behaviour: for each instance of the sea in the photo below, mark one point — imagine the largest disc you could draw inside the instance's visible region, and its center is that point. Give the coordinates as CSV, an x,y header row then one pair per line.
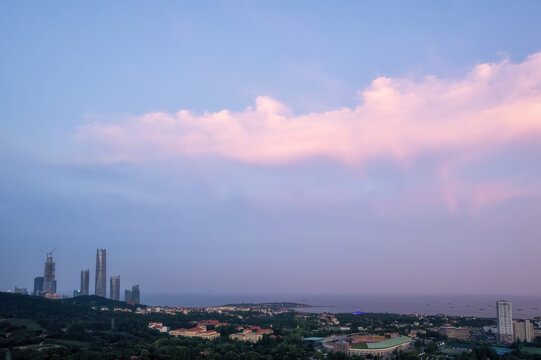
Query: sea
x,y
524,307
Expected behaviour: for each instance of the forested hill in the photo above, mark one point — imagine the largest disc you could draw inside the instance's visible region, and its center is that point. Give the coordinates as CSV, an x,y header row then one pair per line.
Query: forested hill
x,y
24,305
37,328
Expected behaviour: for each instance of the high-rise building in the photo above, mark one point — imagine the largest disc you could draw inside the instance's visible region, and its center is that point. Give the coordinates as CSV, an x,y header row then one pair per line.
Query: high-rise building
x,y
115,288
132,296
128,296
85,282
136,295
100,288
38,285
505,321
49,282
523,331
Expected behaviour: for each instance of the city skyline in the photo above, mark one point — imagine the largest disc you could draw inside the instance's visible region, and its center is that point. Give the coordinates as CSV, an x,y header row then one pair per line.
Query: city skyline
x,y
291,149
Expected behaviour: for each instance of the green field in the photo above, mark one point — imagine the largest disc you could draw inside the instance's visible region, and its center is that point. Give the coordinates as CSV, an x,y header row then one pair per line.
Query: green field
x,y
531,350
360,346
28,323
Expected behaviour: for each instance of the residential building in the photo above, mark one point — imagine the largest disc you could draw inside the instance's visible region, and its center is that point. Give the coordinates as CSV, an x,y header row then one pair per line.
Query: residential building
x,y
158,326
523,331
505,321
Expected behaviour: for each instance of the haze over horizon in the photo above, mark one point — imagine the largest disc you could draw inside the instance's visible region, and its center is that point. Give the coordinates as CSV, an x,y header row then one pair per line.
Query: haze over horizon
x,y
273,147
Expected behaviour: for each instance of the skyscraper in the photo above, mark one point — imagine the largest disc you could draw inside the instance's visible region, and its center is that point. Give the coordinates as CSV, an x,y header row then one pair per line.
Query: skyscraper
x,y
114,293
132,296
128,296
505,321
100,288
136,295
49,282
85,282
38,285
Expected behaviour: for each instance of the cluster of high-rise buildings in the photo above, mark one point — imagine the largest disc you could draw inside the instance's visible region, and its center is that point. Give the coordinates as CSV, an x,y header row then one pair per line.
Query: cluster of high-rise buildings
x,y
510,330
46,285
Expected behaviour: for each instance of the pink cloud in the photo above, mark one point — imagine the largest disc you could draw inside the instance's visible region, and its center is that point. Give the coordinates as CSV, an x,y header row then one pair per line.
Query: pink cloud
x,y
398,118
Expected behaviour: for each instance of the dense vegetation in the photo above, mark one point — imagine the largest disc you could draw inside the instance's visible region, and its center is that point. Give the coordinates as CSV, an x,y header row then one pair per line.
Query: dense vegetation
x,y
37,328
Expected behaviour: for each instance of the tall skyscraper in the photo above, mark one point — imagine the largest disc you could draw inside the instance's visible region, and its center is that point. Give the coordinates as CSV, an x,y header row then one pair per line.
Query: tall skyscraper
x,y
136,295
49,282
85,282
115,288
505,321
128,296
100,288
132,296
38,285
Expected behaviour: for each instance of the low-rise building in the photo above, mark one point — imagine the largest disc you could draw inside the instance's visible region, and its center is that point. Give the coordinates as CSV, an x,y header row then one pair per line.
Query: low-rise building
x,y
158,326
197,332
453,332
251,333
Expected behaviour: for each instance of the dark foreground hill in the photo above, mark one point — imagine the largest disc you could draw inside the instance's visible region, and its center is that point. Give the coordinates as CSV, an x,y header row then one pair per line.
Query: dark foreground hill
x,y
37,328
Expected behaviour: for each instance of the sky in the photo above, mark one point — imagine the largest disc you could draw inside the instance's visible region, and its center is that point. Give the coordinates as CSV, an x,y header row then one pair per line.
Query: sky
x,y
273,146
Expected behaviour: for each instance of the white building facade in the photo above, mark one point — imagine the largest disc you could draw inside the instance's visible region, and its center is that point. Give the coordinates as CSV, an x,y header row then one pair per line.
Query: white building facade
x,y
505,321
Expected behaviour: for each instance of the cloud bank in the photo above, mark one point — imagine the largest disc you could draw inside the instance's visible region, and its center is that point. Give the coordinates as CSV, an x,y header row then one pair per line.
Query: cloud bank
x,y
401,118
457,123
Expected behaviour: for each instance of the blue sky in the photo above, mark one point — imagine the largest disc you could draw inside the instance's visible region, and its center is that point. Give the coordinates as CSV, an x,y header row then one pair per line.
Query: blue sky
x,y
87,90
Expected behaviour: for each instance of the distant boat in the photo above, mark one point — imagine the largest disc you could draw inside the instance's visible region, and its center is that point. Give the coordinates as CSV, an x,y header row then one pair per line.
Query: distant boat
x,y
519,309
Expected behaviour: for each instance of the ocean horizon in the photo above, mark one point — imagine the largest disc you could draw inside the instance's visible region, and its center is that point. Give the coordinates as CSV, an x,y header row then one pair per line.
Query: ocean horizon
x,y
524,306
